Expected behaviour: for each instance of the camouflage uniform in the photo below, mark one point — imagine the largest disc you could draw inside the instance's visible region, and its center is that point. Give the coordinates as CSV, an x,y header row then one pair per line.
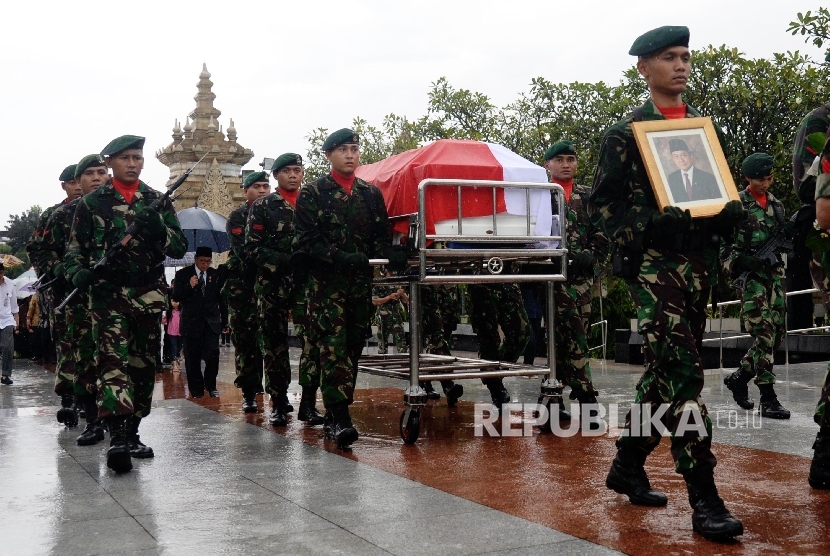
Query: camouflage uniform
x,y
269,234
572,299
670,289
329,220
432,320
822,414
76,348
762,301
309,367
449,303
239,293
389,319
127,297
495,305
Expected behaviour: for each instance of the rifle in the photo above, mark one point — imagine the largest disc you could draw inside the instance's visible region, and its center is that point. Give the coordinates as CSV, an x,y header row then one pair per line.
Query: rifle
x,y
768,252
132,229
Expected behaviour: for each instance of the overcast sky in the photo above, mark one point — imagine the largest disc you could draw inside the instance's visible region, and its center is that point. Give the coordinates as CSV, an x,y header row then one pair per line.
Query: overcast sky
x,y
77,74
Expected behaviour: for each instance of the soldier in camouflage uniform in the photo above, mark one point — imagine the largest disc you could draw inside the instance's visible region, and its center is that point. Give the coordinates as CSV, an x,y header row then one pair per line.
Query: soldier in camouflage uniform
x,y
40,259
389,317
669,262
493,306
269,234
763,305
809,139
77,348
127,295
572,299
239,291
820,467
341,222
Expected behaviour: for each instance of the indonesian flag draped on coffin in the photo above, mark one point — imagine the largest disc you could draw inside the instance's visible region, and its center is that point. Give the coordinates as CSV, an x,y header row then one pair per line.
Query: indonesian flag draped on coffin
x,y
398,177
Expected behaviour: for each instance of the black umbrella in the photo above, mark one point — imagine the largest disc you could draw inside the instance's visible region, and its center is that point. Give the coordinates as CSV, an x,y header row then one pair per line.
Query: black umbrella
x,y
204,228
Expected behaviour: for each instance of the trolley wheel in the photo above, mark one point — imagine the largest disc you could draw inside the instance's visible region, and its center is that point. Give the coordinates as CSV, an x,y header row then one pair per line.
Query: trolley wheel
x,y
412,428
545,427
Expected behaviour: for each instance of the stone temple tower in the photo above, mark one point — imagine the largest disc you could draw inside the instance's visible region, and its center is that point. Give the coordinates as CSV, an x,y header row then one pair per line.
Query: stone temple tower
x,y
215,184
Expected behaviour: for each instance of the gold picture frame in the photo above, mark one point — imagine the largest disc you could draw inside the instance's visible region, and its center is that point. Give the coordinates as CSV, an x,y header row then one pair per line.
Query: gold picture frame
x,y
685,164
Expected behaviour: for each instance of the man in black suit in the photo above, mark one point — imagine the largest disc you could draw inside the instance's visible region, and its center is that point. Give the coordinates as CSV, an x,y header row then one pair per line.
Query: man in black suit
x,y
197,289
689,183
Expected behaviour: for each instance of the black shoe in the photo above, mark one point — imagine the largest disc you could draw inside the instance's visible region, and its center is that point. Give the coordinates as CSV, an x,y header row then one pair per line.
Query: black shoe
x,y
738,382
771,408
137,448
431,393
820,468
344,432
68,413
249,401
213,393
118,455
288,407
308,410
278,417
453,392
710,518
564,414
628,476
93,434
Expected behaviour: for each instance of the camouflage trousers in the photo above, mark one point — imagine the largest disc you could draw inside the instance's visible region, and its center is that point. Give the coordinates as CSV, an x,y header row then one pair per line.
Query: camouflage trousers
x,y
671,320
80,335
128,341
65,369
763,312
342,309
309,369
244,327
494,306
432,321
391,323
570,328
273,307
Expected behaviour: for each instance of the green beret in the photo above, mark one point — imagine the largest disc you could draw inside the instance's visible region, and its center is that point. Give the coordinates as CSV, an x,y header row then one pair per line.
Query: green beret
x,y
757,166
122,144
660,38
89,161
287,159
68,173
561,147
254,177
678,145
343,136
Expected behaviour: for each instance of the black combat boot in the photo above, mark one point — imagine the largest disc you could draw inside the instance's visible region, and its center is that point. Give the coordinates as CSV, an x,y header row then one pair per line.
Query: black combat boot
x,y
94,430
284,399
344,432
68,413
118,455
452,391
770,406
820,468
738,382
279,411
710,517
137,448
431,393
498,393
628,476
308,407
249,400
328,425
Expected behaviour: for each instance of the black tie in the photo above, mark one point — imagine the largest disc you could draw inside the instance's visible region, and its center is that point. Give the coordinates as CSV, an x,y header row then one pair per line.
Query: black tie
x,y
202,281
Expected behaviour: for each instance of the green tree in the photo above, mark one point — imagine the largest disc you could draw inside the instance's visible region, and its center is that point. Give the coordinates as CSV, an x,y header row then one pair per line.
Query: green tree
x,y
21,227
814,27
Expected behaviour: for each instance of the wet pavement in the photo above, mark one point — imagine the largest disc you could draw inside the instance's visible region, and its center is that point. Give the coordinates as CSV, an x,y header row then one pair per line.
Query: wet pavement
x,y
224,482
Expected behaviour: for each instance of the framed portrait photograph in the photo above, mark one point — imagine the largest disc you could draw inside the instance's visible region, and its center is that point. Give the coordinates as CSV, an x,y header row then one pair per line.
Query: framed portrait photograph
x,y
685,164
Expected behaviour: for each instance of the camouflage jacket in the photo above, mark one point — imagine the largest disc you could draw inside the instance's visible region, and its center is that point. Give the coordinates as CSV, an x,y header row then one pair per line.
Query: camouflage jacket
x,y
241,271
53,243
328,219
391,307
815,124
101,219
35,246
622,201
269,234
581,234
760,225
